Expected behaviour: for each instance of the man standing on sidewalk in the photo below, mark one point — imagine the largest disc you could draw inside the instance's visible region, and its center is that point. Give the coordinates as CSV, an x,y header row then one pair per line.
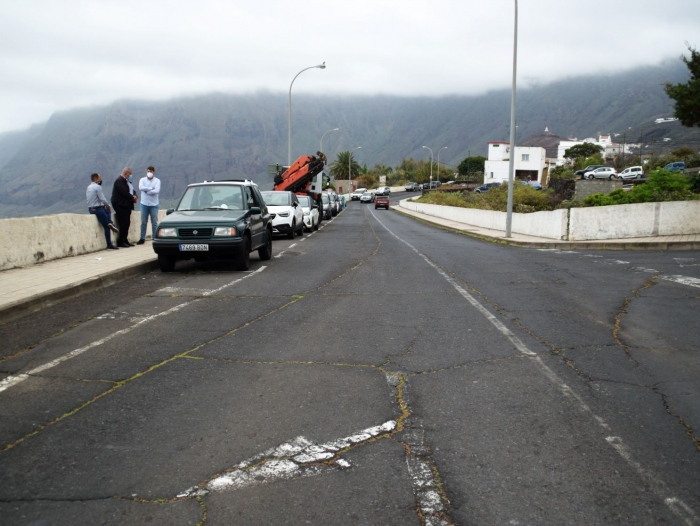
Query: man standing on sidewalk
x,y
150,188
123,200
99,207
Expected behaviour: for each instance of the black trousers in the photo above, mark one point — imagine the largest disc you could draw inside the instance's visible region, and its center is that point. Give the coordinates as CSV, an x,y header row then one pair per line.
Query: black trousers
x,y
123,222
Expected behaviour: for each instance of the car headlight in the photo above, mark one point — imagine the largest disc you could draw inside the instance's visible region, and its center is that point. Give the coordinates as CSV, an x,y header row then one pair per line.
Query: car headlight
x,y
225,231
167,232
283,214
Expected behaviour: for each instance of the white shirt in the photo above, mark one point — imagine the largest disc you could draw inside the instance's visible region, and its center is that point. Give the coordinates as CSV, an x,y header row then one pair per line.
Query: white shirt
x,y
150,188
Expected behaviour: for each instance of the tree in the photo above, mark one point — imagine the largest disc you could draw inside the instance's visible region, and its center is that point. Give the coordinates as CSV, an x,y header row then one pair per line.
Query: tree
x,y
343,162
584,150
683,151
687,96
472,164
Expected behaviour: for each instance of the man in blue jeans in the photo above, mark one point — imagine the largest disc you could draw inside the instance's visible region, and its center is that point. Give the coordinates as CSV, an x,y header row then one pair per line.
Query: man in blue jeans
x,y
99,207
150,188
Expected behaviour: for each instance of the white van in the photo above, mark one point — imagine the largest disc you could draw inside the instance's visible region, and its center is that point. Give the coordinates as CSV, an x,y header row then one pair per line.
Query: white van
x,y
355,196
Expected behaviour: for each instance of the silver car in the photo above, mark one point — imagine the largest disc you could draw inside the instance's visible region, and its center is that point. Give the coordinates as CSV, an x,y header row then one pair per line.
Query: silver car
x,y
633,172
604,172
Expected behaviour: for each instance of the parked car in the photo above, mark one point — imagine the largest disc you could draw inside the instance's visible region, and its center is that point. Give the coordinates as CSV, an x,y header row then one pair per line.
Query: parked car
x,y
215,220
381,201
309,210
326,207
367,197
604,172
355,196
412,187
633,172
426,186
383,190
587,169
675,167
335,205
288,219
486,187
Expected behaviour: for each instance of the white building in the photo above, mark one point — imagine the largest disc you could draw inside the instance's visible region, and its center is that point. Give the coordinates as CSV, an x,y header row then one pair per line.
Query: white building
x,y
530,163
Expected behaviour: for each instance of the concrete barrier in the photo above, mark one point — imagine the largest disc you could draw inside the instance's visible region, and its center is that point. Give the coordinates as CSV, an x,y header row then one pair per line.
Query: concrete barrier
x,y
552,225
637,220
29,240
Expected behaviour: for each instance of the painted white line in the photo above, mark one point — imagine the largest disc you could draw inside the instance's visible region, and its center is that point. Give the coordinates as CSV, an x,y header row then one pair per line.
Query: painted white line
x,y
687,262
299,457
649,270
679,508
279,255
292,245
683,280
303,239
12,380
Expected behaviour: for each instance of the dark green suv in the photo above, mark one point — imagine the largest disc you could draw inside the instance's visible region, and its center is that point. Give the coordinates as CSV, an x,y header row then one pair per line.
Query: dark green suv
x,y
215,220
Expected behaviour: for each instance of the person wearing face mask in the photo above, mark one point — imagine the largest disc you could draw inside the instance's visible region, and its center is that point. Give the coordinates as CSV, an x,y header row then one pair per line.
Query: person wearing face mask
x,y
149,187
99,207
123,199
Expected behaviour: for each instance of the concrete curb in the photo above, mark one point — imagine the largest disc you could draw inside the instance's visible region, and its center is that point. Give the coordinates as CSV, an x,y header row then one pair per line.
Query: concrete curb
x,y
563,245
41,301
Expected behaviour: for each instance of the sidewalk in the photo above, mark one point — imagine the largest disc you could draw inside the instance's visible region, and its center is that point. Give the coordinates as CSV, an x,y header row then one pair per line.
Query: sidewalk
x,y
29,289
681,242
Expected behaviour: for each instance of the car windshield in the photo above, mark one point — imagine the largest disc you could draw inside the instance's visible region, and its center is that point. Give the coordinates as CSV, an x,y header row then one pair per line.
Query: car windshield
x,y
212,197
276,198
324,199
304,201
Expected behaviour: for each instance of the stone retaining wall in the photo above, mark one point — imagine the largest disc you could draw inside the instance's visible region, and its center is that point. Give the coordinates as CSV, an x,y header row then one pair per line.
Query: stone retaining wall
x,y
586,187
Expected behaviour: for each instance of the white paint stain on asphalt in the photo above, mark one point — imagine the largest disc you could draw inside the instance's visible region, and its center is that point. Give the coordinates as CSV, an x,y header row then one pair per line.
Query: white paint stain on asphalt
x,y
648,270
687,262
299,457
683,280
678,507
13,380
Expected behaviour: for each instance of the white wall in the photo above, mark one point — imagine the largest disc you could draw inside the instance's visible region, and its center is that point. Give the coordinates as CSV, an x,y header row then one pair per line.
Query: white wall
x,y
29,240
496,170
638,220
551,225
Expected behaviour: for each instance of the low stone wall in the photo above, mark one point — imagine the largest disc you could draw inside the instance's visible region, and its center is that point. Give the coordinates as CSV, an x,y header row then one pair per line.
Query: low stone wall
x,y
585,187
29,240
552,225
637,220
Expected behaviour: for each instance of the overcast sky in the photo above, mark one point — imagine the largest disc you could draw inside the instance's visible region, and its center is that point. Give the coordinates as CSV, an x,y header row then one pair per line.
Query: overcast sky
x,y
62,54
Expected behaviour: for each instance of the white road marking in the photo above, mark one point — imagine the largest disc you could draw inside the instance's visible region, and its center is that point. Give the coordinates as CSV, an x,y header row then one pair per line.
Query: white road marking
x,y
292,245
12,380
279,255
687,262
649,270
683,280
678,507
299,457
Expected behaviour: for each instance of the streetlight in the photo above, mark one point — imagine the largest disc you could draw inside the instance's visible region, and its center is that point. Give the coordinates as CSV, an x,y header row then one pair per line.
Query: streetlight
x,y
320,147
431,163
289,113
438,172
511,163
350,163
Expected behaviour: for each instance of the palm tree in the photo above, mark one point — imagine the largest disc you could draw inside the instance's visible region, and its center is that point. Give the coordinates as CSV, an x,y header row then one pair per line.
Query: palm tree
x,y
343,162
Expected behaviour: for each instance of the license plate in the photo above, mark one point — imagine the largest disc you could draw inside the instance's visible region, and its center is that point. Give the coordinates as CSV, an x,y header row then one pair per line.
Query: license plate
x,y
194,248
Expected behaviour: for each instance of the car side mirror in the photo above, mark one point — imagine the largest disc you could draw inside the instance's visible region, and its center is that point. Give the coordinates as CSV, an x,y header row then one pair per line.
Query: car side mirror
x,y
255,210
295,205
315,205
169,211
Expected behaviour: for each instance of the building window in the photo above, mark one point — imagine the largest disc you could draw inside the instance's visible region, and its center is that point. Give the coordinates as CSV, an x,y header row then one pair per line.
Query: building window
x,y
526,157
496,145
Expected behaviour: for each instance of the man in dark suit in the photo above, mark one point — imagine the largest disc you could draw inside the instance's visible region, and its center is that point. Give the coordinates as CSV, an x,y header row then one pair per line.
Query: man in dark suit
x,y
123,199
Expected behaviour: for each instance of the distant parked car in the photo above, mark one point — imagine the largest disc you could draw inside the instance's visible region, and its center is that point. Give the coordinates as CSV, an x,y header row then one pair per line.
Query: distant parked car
x,y
309,209
535,184
426,186
486,187
633,172
383,190
412,187
381,201
587,169
675,167
326,205
289,219
367,197
604,172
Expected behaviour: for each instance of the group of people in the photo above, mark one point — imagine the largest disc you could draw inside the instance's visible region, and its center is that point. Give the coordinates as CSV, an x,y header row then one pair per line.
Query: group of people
x,y
124,199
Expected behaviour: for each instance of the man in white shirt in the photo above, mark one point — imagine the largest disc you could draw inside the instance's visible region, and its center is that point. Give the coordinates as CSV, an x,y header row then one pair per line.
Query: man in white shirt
x,y
150,188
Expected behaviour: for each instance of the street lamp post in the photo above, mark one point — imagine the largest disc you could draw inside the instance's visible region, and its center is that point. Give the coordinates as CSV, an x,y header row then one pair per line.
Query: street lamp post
x,y
320,147
431,163
438,171
350,163
511,163
289,113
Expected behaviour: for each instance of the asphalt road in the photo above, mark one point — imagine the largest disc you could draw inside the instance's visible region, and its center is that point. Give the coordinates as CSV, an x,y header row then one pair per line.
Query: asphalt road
x,y
379,371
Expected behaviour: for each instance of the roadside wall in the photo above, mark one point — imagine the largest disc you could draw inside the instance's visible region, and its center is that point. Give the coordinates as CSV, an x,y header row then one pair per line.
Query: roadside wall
x,y
638,220
586,187
551,225
29,240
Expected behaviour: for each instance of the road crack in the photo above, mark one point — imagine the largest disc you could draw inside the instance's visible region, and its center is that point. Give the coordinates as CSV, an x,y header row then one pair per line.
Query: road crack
x,y
688,428
623,311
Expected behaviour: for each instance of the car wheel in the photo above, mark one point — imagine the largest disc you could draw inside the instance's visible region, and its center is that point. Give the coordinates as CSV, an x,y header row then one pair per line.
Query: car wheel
x,y
166,263
243,260
265,251
611,177
316,224
293,231
301,229
590,176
